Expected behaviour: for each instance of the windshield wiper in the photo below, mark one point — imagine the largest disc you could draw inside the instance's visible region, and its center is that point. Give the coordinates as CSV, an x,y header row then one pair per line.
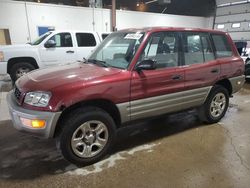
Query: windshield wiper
x,y
98,62
83,60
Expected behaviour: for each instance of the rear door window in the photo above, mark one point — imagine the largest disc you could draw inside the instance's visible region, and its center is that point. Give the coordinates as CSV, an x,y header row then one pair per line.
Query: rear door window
x,y
85,39
193,52
197,48
222,47
207,48
104,35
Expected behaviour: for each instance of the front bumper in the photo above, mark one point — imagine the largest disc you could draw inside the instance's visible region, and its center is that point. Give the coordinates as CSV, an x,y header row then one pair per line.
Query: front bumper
x,y
3,67
17,112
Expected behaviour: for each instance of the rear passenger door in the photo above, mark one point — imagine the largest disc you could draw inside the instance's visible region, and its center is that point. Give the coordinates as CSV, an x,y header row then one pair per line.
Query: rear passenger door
x,y
86,42
201,67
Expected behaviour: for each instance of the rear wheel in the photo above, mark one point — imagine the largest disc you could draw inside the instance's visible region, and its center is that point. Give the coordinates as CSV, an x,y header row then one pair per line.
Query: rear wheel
x,y
19,69
87,136
215,105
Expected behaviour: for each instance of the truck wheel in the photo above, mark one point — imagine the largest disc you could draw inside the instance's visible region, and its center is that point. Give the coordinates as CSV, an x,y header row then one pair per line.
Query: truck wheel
x,y
19,69
87,135
215,105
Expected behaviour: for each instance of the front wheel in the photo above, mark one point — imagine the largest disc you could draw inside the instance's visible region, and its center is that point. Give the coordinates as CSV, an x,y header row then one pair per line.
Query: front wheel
x,y
215,105
87,136
19,69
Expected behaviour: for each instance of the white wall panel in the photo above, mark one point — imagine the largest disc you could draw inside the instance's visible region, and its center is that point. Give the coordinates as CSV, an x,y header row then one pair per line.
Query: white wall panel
x,y
240,36
233,9
13,17
233,18
127,19
219,2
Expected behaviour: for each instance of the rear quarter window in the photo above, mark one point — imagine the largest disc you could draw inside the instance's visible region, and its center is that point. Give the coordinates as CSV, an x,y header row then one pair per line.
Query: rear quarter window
x,y
222,46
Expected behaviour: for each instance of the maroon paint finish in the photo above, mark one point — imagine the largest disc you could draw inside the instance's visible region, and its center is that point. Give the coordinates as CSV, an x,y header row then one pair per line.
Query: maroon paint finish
x,y
70,84
78,82
156,82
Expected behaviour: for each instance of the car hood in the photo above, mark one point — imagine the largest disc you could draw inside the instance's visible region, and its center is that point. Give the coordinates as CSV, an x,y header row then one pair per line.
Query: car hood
x,y
49,78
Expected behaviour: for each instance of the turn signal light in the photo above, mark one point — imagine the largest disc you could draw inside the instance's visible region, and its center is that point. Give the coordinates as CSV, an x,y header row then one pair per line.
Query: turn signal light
x,y
38,123
34,123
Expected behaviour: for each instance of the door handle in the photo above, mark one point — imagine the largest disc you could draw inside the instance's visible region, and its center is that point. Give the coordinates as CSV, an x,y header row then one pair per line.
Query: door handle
x,y
70,51
176,77
214,70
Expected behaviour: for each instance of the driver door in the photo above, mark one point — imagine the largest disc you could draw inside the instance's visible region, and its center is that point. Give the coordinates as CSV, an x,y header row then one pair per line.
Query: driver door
x,y
63,52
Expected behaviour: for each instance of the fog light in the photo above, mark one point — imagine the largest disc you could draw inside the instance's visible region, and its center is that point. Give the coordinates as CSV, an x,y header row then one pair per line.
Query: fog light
x,y
239,82
34,123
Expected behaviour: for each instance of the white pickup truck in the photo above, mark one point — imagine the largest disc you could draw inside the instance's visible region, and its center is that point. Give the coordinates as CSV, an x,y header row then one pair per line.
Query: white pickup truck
x,y
50,49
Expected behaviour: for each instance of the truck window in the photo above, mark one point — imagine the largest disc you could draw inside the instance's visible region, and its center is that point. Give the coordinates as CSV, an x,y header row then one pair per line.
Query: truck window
x,y
222,47
104,36
85,39
62,40
40,39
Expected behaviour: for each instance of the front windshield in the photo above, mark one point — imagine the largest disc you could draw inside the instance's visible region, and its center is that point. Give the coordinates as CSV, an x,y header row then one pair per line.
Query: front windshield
x,y
118,49
40,39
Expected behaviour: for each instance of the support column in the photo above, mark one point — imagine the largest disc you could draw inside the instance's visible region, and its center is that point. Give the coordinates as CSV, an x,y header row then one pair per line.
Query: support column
x,y
113,15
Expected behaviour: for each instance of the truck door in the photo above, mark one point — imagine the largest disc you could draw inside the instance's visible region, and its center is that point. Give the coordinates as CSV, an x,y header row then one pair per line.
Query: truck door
x,y
61,53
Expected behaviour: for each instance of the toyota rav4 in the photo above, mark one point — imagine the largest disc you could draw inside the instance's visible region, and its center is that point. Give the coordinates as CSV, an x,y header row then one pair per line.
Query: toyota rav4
x,y
134,74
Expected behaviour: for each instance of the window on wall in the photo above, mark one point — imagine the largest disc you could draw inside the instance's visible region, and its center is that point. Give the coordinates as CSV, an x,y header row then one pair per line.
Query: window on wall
x,y
220,26
62,40
4,37
222,47
236,25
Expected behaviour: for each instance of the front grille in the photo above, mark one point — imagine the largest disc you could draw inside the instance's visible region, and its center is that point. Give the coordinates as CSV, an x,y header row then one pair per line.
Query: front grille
x,y
17,93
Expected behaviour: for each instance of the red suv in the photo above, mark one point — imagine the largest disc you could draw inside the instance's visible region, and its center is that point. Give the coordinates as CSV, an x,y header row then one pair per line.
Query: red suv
x,y
134,74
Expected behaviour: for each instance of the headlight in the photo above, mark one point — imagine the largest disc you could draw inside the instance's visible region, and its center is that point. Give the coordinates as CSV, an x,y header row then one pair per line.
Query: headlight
x,y
1,56
40,99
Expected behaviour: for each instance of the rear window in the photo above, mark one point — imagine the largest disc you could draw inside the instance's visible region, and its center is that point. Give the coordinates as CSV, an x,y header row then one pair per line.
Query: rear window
x,y
85,39
222,47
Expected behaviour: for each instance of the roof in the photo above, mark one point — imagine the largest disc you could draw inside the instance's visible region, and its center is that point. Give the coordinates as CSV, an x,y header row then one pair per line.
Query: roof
x,y
155,29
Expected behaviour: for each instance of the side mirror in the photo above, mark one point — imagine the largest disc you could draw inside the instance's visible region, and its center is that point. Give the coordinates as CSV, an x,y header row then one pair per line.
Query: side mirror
x,y
50,44
148,64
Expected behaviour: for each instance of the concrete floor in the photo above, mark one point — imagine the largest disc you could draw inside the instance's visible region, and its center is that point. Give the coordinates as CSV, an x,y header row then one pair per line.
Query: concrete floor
x,y
178,151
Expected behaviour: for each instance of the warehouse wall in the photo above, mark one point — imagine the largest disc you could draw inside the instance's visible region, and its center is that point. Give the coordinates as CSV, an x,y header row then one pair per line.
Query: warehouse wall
x,y
232,13
22,19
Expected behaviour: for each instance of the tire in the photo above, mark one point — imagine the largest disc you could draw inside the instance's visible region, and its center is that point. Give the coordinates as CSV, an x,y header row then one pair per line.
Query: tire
x,y
215,105
19,69
89,145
